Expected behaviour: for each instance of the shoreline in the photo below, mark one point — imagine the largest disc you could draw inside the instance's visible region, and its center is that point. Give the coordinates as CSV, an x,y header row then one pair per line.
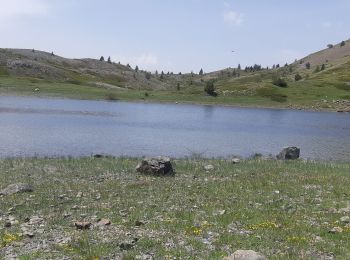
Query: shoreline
x,y
144,101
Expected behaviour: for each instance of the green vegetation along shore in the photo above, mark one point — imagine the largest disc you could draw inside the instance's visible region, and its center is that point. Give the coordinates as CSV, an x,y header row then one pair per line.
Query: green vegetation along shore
x,y
282,209
320,81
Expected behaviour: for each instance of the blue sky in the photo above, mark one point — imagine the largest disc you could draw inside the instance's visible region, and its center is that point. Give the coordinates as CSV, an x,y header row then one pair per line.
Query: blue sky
x,y
182,35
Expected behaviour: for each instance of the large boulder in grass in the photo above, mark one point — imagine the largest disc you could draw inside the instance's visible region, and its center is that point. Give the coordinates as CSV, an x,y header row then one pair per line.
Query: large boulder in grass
x,y
16,188
158,166
245,255
289,153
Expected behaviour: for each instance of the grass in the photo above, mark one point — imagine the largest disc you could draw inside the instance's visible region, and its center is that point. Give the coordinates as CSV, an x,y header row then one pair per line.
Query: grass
x,y
281,209
254,89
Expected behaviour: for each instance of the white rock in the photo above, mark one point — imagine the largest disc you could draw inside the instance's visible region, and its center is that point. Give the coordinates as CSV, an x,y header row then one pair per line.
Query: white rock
x,y
245,255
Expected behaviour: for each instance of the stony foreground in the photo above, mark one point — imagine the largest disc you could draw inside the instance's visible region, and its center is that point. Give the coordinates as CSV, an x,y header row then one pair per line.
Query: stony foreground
x,y
100,208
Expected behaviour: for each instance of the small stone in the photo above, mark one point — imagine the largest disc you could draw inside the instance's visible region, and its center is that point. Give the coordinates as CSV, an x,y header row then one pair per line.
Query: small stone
x,y
345,219
245,255
209,167
235,160
16,188
277,192
7,224
336,230
104,222
29,234
82,225
79,194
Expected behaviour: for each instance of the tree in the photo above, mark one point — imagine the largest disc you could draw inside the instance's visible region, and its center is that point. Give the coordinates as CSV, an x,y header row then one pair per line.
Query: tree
x,y
323,67
342,44
210,88
201,72
178,86
136,68
317,69
280,82
52,54
109,60
239,67
148,75
298,77
308,65
162,75
102,58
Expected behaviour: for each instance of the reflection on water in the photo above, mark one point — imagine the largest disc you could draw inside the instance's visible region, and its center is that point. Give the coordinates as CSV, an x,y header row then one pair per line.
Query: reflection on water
x,y
58,127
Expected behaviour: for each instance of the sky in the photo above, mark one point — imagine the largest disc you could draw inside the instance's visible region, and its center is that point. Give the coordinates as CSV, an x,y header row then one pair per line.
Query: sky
x,y
176,35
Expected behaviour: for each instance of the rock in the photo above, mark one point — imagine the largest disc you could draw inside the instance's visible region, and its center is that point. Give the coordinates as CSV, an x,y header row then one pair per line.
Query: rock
x,y
104,222
128,245
245,255
289,153
345,219
235,160
82,225
209,167
158,166
16,188
335,230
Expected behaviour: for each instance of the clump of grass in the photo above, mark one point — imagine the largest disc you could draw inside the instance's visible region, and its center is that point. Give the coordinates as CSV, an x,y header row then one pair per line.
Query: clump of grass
x,y
272,93
3,71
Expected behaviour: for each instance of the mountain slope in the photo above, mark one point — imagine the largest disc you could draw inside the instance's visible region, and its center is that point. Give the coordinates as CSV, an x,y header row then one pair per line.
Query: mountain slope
x,y
320,81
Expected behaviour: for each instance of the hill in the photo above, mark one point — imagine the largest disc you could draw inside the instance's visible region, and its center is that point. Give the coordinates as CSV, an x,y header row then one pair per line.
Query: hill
x,y
320,81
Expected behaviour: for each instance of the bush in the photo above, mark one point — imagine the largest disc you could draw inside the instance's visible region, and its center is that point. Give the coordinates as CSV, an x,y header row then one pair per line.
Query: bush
x,y
298,77
330,46
308,65
280,82
342,44
111,96
210,88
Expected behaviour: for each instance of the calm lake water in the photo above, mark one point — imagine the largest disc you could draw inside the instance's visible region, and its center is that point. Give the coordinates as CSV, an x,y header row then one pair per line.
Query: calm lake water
x,y
62,127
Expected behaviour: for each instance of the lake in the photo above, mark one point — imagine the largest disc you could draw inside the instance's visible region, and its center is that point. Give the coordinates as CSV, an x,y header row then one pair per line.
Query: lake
x,y
62,127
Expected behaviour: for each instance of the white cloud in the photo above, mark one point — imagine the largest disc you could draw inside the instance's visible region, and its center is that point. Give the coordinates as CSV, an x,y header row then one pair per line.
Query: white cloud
x,y
15,8
233,18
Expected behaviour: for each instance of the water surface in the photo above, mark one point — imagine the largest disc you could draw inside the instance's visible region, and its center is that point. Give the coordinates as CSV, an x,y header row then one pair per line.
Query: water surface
x,y
63,127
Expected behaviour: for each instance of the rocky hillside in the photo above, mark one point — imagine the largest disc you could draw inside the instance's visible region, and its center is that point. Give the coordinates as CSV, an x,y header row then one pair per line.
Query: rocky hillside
x,y
48,66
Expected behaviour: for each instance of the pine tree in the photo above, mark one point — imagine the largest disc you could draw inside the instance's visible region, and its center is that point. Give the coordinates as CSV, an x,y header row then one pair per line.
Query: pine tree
x,y
102,58
201,72
136,68
109,60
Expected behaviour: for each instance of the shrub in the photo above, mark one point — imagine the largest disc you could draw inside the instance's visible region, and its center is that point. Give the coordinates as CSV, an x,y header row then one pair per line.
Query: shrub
x,y
148,75
280,82
298,77
210,88
342,44
111,96
330,46
308,65
102,58
109,60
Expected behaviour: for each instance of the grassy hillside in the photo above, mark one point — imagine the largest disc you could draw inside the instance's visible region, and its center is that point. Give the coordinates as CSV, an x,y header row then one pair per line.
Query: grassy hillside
x,y
323,83
285,210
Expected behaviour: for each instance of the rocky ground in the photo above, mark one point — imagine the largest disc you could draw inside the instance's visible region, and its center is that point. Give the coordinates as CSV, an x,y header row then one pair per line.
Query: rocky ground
x,y
101,208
